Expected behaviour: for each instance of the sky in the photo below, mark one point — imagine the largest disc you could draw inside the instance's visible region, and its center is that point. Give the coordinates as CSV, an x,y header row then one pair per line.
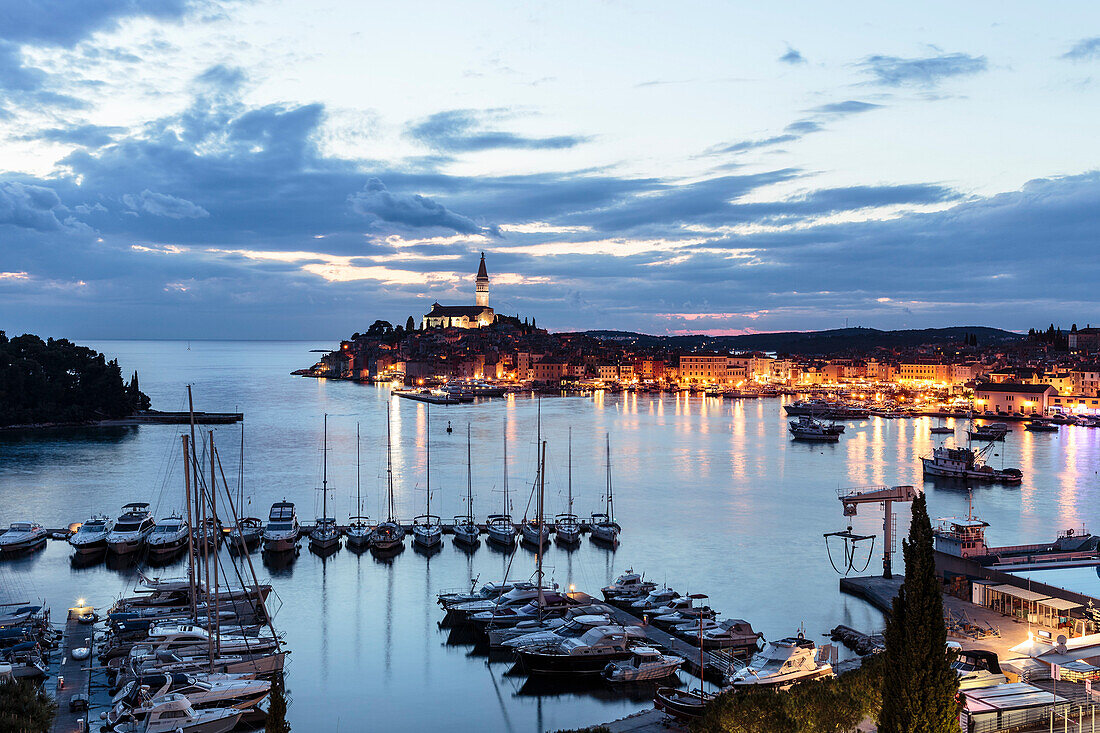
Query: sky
x,y
297,169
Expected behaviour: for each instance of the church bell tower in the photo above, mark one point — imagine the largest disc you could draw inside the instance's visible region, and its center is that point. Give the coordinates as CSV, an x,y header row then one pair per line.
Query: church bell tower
x,y
482,285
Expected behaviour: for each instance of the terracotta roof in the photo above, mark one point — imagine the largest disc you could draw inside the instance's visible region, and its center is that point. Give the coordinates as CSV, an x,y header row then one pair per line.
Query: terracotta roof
x,y
1012,387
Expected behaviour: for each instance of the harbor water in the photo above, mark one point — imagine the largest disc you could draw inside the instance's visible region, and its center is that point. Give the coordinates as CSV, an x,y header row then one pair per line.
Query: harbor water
x,y
712,495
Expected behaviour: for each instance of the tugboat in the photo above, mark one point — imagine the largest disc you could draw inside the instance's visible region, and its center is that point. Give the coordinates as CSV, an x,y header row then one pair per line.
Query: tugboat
x,y
965,463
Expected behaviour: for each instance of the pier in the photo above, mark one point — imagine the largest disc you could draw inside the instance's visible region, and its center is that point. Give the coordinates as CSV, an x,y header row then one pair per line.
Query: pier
x,y
74,676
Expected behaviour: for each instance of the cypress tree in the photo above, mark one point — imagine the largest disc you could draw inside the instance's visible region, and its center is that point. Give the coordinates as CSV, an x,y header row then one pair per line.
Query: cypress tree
x,y
276,721
410,325
918,695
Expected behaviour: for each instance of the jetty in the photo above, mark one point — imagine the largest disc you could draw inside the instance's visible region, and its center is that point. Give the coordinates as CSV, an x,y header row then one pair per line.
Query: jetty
x,y
74,676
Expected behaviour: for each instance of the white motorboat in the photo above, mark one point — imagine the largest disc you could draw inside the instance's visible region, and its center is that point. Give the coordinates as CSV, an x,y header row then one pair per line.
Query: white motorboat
x,y
976,667
487,592
732,633
519,595
173,714
645,664
325,535
694,627
130,529
138,696
629,585
807,428
588,654
282,530
964,463
603,525
562,628
23,536
784,662
91,536
169,536
657,597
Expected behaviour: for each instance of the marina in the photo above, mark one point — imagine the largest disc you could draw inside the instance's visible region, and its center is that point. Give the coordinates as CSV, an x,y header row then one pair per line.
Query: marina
x,y
715,471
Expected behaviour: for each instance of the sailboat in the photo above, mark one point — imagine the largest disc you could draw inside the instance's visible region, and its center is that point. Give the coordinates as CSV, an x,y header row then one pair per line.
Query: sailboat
x,y
499,527
388,535
535,531
359,526
247,533
604,527
325,537
427,529
567,528
466,531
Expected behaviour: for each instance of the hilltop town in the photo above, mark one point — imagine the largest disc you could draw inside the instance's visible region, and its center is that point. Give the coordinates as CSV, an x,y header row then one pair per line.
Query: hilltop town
x,y
1002,372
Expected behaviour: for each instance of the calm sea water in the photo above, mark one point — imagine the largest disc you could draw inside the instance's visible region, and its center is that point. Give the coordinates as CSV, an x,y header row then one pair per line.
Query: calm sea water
x,y
712,495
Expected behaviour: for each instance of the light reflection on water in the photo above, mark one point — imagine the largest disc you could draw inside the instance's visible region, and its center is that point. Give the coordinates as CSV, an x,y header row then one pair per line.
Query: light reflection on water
x,y
712,495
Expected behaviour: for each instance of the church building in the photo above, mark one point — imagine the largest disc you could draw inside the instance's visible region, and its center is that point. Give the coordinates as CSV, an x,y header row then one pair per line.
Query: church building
x,y
465,316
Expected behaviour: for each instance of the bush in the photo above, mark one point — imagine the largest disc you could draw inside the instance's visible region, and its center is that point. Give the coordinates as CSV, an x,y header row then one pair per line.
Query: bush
x,y
25,708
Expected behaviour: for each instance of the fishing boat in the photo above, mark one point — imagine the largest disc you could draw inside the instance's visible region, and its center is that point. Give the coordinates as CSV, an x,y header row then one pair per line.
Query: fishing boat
x,y
282,531
173,713
23,536
500,527
466,532
784,662
170,536
645,664
965,463
130,529
993,431
1040,426
91,536
427,529
360,525
809,429
389,535
325,535
604,527
567,527
588,654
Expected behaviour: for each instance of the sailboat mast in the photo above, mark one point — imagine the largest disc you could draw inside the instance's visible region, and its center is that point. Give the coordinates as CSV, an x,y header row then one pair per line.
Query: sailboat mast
x,y
570,470
214,624
324,470
504,431
389,464
469,479
610,497
358,497
192,516
190,527
542,494
428,449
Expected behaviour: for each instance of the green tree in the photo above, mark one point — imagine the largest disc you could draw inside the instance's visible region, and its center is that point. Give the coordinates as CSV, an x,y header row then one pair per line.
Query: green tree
x,y
918,696
25,708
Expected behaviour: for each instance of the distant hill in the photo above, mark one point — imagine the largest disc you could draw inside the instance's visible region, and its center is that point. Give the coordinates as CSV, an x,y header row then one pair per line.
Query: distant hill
x,y
835,341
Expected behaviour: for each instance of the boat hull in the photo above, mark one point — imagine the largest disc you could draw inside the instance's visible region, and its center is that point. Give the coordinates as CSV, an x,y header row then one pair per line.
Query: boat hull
x,y
932,469
539,663
502,537
280,544
678,703
31,543
466,536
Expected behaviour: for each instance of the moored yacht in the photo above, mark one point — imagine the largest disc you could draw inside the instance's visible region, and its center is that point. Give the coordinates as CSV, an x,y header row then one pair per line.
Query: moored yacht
x,y
466,532
809,429
501,530
91,536
22,536
487,592
783,663
169,536
603,525
246,535
130,529
173,713
588,654
630,585
568,627
388,536
282,530
656,598
138,696
325,535
645,663
733,633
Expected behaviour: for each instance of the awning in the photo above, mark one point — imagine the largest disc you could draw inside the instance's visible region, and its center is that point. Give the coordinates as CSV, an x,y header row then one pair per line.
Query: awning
x,y
1060,604
1022,593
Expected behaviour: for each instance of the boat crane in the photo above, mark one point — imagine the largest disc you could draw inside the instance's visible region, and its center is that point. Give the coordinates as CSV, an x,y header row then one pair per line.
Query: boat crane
x,y
851,499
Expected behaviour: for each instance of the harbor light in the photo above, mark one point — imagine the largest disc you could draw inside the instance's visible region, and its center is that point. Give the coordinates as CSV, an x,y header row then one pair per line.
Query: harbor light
x,y
80,602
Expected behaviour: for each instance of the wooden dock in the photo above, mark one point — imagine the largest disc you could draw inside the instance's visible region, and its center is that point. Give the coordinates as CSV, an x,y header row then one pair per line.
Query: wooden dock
x,y
715,662
74,676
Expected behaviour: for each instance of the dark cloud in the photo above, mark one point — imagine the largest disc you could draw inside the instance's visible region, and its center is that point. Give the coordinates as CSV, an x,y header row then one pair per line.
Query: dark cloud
x,y
30,207
1086,49
804,127
792,56
163,204
65,22
929,71
412,210
463,131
